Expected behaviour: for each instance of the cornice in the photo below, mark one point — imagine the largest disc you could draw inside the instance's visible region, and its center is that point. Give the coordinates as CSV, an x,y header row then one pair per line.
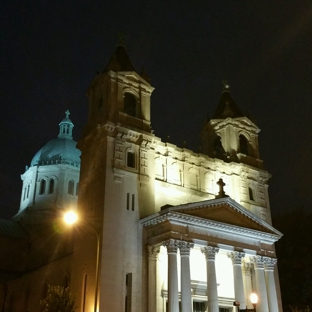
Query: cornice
x,y
178,214
188,220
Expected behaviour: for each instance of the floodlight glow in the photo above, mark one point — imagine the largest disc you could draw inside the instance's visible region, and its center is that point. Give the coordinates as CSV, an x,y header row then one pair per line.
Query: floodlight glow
x,y
70,217
254,298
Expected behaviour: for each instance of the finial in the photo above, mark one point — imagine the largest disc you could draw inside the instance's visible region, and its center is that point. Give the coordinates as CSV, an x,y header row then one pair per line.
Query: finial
x,y
67,113
121,39
221,189
226,86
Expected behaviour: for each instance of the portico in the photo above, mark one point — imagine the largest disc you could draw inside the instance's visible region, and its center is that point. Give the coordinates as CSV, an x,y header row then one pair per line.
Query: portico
x,y
201,259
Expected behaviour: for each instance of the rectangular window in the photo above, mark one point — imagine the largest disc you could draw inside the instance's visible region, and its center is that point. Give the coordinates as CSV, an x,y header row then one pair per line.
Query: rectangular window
x,y
128,200
128,298
132,202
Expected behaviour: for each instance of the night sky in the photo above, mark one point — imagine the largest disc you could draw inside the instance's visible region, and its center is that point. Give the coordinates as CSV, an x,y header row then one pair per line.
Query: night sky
x,y
51,50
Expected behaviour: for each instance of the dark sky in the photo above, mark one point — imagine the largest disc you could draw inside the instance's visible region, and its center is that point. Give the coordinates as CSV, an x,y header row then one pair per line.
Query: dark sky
x,y
51,50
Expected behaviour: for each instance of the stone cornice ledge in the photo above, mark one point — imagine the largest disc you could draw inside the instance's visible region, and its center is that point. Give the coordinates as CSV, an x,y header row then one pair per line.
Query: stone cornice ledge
x,y
187,220
179,214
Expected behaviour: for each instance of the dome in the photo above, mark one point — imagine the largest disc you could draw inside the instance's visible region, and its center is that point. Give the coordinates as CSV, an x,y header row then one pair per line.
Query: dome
x,y
61,150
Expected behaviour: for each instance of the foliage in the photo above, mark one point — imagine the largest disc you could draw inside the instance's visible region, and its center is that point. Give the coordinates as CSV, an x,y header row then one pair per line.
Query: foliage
x,y
307,309
294,252
58,299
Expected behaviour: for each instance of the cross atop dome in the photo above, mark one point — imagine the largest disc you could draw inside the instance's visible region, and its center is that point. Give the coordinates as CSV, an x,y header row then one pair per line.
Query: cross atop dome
x,y
66,127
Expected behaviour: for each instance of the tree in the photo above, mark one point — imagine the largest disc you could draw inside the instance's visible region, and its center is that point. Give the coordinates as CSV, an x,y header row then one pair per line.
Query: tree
x,y
307,309
58,299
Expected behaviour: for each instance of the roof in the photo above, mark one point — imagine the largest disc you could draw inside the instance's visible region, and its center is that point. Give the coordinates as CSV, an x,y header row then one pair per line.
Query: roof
x,y
11,229
61,150
227,107
120,61
222,215
58,151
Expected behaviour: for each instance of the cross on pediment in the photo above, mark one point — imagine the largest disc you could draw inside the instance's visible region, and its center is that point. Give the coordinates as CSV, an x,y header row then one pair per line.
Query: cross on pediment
x,y
221,189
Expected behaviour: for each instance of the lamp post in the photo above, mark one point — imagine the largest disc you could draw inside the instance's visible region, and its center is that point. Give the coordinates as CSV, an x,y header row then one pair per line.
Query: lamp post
x,y
71,217
254,300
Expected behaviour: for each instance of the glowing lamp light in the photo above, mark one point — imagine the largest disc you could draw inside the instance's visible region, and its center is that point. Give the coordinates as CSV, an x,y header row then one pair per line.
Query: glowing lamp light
x,y
70,217
254,298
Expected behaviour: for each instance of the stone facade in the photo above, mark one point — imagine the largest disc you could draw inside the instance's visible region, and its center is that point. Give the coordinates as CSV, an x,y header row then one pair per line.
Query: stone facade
x,y
162,226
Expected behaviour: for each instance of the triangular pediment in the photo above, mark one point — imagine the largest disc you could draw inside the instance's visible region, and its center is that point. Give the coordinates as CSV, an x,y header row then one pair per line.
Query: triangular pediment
x,y
225,214
222,214
227,211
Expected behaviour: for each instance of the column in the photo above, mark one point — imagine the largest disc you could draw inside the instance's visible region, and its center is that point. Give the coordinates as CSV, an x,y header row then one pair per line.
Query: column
x,y
236,257
186,292
270,283
261,291
173,290
152,252
212,290
246,269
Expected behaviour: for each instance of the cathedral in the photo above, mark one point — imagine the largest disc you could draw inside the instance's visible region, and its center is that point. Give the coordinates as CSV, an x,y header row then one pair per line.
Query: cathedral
x,y
160,228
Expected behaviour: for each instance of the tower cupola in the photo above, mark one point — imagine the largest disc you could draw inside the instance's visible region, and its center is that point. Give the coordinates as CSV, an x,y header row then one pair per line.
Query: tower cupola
x,y
66,127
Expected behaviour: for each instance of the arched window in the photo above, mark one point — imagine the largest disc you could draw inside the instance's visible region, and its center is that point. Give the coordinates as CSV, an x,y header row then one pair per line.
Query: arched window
x,y
77,188
243,143
217,146
51,186
71,185
42,188
251,195
28,188
130,105
130,160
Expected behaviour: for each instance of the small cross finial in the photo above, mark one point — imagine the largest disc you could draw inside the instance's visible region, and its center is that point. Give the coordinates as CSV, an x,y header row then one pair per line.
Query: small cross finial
x,y
67,113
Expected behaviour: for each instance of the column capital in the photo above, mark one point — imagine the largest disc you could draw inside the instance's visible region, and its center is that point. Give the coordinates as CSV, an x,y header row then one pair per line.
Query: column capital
x,y
236,257
258,261
185,248
171,245
153,252
210,252
269,263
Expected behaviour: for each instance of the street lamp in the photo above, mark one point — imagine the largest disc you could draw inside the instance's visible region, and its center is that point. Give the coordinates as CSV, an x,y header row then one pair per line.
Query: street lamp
x,y
71,217
254,300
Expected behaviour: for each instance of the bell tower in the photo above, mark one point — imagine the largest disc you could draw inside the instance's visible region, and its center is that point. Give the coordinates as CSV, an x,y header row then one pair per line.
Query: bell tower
x,y
230,135
116,185
120,95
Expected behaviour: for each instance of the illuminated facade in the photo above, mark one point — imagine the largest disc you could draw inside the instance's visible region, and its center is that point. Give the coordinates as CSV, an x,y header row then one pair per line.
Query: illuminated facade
x,y
161,210
175,228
